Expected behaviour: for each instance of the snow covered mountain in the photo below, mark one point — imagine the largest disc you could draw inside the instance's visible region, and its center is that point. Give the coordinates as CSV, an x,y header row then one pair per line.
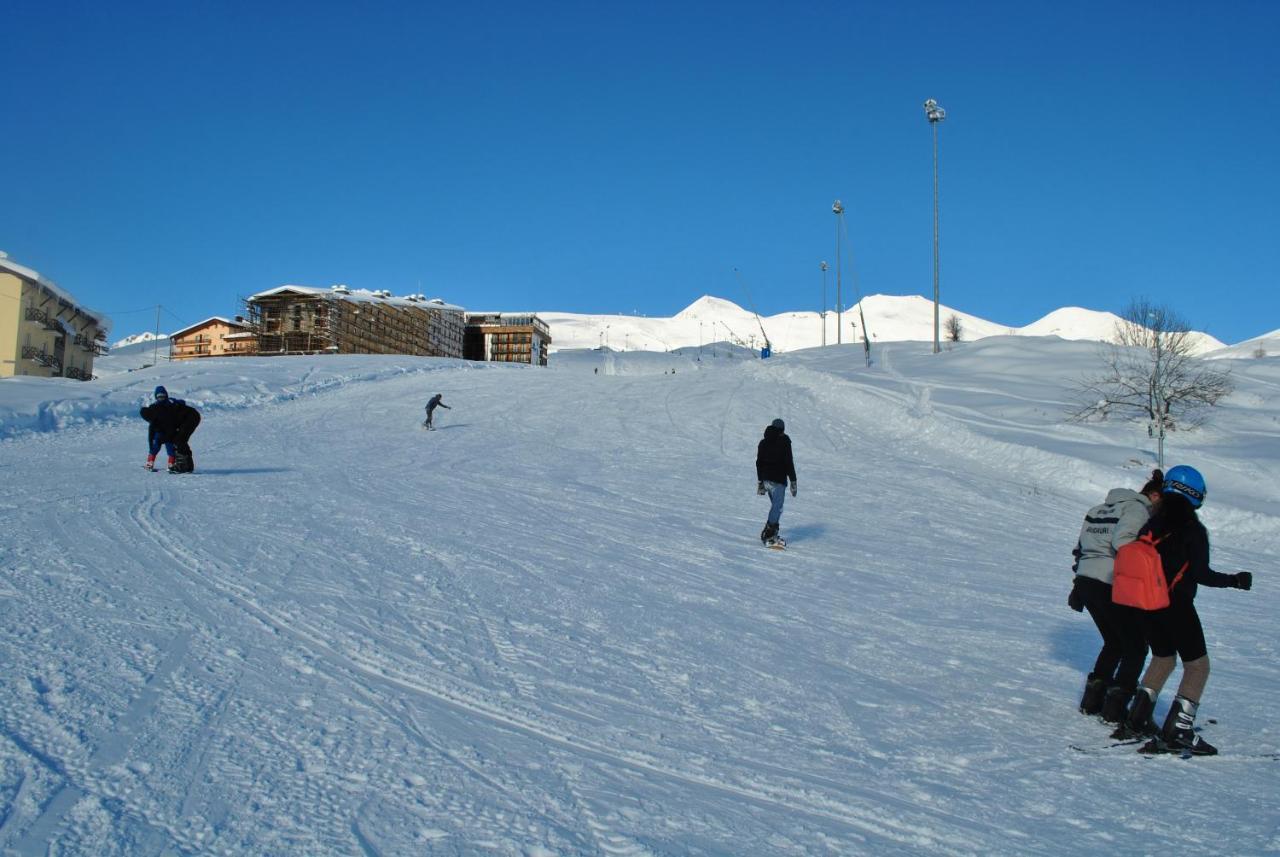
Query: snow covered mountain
x,y
888,318
1267,345
146,337
548,627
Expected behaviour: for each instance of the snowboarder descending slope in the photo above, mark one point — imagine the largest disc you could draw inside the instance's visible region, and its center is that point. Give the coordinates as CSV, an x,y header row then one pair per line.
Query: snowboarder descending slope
x,y
774,466
1183,545
433,403
1107,526
170,423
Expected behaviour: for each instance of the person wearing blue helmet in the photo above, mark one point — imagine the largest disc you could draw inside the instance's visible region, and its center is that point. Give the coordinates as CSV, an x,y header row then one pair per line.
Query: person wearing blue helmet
x,y
1183,544
170,423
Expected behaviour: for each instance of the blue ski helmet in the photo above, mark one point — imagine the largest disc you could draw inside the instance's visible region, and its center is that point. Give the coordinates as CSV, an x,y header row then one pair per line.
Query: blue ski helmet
x,y
1186,481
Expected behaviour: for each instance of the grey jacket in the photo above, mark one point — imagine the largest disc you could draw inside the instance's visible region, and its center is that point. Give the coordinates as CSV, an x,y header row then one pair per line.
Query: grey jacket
x,y
1107,526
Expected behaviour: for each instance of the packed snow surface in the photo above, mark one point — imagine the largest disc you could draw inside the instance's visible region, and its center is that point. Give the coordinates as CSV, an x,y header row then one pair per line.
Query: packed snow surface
x,y
549,628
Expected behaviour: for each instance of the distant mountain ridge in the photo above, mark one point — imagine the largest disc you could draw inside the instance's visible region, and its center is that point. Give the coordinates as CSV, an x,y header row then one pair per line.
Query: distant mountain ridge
x,y
889,318
138,338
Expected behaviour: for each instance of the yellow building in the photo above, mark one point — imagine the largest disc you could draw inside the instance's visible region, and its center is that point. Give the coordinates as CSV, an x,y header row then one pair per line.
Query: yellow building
x,y
44,332
213,337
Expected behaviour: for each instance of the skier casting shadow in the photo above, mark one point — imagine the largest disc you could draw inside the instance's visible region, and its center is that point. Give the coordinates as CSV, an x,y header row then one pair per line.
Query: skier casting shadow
x,y
433,403
170,423
774,466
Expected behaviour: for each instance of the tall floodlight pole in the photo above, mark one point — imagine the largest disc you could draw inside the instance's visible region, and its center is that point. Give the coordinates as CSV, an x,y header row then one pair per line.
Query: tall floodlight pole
x,y
824,266
935,115
837,208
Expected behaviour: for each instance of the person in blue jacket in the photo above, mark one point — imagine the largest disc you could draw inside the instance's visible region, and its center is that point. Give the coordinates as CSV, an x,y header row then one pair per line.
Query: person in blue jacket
x,y
1183,544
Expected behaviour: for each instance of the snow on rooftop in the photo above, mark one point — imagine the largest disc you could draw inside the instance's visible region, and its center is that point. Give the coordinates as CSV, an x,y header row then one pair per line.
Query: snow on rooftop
x,y
7,264
346,293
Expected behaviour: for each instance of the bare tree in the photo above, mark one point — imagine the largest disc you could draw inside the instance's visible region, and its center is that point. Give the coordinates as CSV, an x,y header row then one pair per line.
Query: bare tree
x,y
954,328
1260,351
1150,371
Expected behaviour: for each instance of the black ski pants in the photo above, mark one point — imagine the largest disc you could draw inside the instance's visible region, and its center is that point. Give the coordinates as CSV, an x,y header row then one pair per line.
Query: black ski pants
x,y
1124,645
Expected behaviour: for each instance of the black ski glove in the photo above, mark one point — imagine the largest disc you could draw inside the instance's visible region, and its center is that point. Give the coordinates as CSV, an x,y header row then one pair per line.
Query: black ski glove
x,y
793,488
760,488
1076,599
1244,580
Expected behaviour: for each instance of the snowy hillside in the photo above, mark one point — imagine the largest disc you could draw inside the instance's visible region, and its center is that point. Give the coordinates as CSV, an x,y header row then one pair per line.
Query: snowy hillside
x,y
1267,345
549,628
889,318
146,337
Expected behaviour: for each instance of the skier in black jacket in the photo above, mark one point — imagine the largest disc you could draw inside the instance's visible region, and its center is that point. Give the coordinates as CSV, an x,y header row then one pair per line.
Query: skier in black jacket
x,y
1176,630
774,466
433,403
170,423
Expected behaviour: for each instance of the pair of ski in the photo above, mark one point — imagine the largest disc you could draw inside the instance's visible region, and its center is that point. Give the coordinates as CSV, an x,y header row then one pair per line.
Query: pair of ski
x,y
1150,747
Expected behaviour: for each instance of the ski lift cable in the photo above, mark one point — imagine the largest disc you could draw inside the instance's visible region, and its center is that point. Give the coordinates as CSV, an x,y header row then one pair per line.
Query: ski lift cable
x,y
752,304
853,272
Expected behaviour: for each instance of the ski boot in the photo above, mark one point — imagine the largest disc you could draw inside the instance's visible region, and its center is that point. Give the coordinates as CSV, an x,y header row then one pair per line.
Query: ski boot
x,y
770,531
151,463
1138,722
1095,690
1179,734
1115,705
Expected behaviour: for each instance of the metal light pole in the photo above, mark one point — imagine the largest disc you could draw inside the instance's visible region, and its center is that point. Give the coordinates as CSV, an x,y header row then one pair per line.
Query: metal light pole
x,y
935,115
1156,329
823,265
155,343
838,209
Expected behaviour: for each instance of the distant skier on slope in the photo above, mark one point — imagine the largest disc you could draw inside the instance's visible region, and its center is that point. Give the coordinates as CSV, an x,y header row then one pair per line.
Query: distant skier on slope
x,y
170,423
1183,545
1107,526
433,403
774,466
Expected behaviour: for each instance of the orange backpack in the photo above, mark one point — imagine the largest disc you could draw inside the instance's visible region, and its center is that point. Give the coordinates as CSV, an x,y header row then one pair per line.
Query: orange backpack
x,y
1139,575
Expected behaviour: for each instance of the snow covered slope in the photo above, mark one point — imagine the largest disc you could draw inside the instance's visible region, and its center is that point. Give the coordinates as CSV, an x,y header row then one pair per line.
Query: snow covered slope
x,y
548,627
889,318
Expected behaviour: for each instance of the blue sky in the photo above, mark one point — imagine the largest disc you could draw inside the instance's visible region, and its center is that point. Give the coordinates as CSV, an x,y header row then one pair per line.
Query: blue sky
x,y
589,157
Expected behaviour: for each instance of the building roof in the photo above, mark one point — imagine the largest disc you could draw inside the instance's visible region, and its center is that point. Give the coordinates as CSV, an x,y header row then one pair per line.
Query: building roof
x,y
361,296
211,318
7,264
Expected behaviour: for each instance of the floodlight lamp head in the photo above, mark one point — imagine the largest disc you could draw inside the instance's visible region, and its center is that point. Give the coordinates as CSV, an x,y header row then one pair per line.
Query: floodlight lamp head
x,y
823,265
837,207
933,112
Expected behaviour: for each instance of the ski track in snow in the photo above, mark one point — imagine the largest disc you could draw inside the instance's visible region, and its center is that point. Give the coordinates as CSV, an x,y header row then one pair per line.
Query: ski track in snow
x,y
548,628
